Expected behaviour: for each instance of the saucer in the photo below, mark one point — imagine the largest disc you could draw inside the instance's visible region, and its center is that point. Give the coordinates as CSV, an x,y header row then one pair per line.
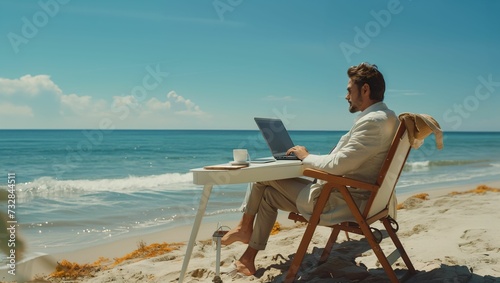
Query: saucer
x,y
240,163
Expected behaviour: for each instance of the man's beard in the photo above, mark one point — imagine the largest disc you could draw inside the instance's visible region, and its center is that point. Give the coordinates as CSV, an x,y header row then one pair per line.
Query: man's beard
x,y
353,108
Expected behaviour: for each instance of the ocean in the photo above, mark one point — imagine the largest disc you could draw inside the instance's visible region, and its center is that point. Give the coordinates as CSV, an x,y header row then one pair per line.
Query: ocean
x,y
77,188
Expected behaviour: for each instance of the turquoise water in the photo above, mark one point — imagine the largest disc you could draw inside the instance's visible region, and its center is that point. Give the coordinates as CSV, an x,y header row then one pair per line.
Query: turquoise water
x,y
78,188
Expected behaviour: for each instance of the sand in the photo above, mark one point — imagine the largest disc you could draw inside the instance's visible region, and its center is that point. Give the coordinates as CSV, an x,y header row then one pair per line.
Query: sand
x,y
449,238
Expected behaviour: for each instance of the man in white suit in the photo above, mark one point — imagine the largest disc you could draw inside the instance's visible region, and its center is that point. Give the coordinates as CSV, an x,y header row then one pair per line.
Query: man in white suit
x,y
359,155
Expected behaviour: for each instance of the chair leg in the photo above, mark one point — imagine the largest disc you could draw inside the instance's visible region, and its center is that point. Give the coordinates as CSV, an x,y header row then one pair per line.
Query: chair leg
x,y
399,246
378,252
301,251
367,232
347,235
329,245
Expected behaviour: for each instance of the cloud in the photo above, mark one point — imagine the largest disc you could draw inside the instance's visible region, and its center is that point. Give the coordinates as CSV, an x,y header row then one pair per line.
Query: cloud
x,y
75,101
82,105
157,105
174,103
8,109
33,86
128,100
28,85
190,107
39,99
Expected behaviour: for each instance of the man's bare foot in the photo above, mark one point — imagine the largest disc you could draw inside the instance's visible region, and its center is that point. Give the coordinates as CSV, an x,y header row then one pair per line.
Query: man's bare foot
x,y
245,268
240,233
237,234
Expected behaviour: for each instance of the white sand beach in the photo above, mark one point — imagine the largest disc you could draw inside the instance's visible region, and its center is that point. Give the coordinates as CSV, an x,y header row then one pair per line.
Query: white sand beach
x,y
449,238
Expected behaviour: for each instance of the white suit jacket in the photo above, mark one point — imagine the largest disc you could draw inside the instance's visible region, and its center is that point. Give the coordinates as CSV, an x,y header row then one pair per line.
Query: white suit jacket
x,y
359,155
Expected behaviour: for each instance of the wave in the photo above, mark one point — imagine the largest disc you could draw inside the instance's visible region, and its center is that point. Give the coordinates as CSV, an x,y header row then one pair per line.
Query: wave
x,y
169,181
427,164
448,180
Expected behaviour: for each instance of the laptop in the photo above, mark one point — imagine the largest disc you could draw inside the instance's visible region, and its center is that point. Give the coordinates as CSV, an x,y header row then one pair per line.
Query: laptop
x,y
277,137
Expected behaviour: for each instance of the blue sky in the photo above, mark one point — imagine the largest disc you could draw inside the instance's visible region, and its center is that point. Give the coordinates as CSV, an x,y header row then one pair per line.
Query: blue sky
x,y
217,64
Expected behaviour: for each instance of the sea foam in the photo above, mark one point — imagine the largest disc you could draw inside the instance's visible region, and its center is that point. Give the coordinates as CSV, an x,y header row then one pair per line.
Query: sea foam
x,y
169,181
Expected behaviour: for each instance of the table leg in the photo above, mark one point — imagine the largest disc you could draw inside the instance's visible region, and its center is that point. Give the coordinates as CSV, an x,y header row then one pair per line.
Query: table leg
x,y
207,189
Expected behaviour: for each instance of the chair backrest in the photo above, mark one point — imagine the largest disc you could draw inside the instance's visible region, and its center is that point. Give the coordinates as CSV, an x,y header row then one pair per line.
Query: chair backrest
x,y
390,172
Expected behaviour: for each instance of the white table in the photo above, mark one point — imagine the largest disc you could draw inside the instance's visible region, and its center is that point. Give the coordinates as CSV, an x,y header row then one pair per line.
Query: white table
x,y
254,173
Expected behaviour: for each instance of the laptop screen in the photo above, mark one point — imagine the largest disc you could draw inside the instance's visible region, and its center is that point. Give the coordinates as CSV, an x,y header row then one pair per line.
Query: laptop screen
x,y
275,134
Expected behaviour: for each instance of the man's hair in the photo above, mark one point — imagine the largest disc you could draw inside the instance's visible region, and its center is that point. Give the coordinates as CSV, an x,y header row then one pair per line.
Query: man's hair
x,y
366,73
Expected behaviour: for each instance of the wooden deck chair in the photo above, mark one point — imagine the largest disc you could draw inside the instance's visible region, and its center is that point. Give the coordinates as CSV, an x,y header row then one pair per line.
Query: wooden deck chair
x,y
377,208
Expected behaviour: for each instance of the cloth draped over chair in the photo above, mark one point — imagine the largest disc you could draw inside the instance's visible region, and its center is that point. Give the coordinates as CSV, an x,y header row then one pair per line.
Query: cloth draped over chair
x,y
420,126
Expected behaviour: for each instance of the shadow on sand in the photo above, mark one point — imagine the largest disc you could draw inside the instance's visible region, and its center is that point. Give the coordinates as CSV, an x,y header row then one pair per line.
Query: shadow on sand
x,y
341,267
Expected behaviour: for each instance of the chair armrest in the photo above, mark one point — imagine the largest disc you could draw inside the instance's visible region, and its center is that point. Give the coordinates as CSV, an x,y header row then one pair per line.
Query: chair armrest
x,y
296,217
339,180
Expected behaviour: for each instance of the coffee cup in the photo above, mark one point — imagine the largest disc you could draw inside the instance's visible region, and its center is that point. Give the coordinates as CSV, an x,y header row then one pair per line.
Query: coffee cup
x,y
240,155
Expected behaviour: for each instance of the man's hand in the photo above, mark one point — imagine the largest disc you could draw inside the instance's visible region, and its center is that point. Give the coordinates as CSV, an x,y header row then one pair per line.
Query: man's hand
x,y
299,151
